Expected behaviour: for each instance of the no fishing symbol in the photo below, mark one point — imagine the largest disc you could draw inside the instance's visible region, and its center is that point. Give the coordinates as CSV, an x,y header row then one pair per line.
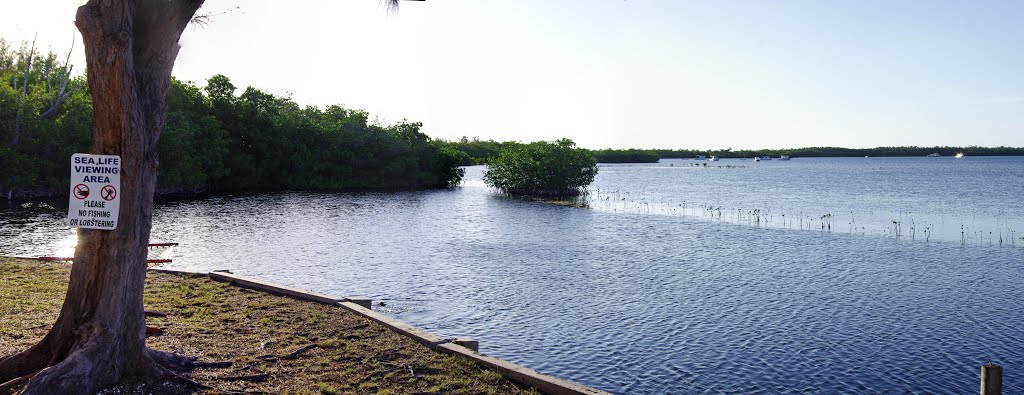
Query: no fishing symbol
x,y
97,209
81,191
108,192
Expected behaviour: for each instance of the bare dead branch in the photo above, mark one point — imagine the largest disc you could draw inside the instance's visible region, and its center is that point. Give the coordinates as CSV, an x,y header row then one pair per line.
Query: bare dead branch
x,y
24,92
202,20
28,67
62,92
46,76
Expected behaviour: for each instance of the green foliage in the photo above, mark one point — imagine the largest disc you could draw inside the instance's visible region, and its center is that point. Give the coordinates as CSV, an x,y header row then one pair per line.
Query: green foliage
x,y
259,141
35,150
626,156
478,152
449,160
542,168
215,140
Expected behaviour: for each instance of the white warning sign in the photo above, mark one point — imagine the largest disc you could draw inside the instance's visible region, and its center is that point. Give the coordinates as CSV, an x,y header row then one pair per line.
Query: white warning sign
x,y
95,197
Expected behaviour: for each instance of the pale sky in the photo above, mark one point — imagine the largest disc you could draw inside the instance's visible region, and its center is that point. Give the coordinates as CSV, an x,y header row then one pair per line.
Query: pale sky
x,y
621,73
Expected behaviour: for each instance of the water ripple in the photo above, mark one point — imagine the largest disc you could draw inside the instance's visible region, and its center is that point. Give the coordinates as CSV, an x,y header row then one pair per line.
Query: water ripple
x,y
630,302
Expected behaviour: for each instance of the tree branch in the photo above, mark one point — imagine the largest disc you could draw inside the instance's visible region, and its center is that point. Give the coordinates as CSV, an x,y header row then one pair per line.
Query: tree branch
x,y
61,91
21,99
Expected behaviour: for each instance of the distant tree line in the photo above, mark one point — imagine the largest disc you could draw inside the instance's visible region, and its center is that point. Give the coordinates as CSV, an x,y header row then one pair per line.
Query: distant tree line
x,y
483,151
215,140
625,156
822,152
479,152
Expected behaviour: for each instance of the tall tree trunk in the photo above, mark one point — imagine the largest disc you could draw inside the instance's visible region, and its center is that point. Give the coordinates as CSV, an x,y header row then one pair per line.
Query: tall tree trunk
x,y
99,337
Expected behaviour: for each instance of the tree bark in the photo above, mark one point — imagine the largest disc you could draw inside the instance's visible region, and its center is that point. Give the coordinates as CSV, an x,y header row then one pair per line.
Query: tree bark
x,y
99,338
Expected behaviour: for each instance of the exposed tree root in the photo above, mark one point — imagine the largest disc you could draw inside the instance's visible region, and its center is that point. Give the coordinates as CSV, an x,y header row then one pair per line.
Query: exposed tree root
x,y
169,360
295,354
98,340
10,386
28,362
86,371
187,382
215,365
170,367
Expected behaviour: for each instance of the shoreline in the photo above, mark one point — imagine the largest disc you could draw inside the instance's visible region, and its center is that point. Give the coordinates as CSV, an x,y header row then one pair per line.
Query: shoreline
x,y
460,348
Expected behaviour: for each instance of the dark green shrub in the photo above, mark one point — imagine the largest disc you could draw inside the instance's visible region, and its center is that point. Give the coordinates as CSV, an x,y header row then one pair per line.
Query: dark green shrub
x,y
542,168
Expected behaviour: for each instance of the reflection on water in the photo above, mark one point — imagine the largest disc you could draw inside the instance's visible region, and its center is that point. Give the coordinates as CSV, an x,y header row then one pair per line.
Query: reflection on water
x,y
972,201
634,297
37,228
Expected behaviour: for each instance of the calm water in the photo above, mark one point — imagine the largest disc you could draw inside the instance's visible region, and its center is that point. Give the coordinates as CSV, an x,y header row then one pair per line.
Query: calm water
x,y
775,277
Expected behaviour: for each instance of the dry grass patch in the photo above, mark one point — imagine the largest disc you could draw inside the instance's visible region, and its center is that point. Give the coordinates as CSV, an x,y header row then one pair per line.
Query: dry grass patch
x,y
30,299
259,333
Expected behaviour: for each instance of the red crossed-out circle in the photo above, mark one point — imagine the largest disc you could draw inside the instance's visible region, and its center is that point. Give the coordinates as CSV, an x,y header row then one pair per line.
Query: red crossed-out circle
x,y
108,192
81,191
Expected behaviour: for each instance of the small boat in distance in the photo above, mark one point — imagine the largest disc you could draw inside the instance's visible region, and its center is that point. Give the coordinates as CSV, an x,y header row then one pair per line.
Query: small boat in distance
x,y
935,155
701,157
959,155
713,158
757,159
784,157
